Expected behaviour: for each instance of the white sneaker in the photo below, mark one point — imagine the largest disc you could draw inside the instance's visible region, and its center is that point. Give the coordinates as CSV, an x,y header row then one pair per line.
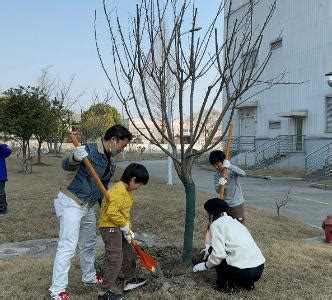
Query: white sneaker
x,y
134,283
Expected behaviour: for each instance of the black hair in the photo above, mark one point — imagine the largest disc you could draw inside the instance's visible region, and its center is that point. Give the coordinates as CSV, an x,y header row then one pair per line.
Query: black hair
x,y
118,131
216,156
216,207
135,170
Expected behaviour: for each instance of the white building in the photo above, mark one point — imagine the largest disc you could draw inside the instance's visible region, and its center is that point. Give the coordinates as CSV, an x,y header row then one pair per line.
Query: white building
x,y
299,36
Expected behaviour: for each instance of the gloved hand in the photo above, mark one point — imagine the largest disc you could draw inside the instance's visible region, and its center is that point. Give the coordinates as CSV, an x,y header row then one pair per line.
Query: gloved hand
x,y
205,250
129,236
80,153
222,181
200,267
226,163
125,229
127,233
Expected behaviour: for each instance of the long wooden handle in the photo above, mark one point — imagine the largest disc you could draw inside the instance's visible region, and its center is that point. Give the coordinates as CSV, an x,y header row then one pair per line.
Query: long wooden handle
x,y
90,168
228,149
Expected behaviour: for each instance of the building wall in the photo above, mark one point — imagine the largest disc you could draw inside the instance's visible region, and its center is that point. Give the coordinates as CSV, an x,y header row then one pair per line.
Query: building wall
x,y
305,27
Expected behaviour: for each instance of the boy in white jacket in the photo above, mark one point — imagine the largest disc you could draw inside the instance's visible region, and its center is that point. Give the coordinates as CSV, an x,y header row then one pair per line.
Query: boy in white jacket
x,y
234,254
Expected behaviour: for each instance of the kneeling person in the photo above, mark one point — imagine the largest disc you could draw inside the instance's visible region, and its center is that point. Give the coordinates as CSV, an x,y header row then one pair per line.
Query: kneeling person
x,y
115,229
234,253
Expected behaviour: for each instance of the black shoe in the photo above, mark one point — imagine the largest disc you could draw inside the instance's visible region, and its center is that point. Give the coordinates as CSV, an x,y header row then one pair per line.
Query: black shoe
x,y
228,288
250,287
3,212
110,296
134,283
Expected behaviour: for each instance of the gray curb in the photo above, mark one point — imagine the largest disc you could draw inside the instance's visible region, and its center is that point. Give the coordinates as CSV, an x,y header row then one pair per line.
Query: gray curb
x,y
321,186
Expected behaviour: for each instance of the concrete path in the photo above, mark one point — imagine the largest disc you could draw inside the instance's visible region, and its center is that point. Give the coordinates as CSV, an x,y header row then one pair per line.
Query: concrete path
x,y
47,247
307,204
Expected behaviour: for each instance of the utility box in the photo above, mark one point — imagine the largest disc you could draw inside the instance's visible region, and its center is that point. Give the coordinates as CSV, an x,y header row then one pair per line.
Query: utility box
x,y
327,226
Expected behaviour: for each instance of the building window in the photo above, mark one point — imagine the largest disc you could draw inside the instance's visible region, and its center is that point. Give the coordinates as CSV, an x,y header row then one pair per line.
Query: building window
x,y
274,124
250,60
276,44
328,114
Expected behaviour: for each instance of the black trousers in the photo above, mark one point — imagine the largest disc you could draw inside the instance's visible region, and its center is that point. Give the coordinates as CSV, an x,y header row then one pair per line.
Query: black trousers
x,y
3,202
227,274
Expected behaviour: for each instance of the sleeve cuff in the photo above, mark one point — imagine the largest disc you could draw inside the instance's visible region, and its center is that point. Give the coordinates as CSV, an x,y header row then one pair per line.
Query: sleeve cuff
x,y
72,161
209,264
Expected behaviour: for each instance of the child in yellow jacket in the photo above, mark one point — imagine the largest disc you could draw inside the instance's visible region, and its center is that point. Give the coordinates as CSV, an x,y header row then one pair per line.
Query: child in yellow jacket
x,y
114,225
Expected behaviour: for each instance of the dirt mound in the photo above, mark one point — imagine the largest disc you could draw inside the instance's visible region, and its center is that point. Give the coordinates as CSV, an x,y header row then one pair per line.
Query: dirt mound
x,y
175,275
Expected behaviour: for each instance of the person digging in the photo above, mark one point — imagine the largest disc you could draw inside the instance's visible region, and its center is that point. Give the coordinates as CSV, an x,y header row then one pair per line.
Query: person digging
x,y
74,207
233,253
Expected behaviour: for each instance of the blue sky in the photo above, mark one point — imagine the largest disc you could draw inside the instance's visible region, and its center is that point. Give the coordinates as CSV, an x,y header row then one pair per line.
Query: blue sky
x,y
38,33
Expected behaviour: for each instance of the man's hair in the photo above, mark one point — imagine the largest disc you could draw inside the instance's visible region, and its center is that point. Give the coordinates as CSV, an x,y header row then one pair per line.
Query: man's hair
x,y
118,131
135,170
216,156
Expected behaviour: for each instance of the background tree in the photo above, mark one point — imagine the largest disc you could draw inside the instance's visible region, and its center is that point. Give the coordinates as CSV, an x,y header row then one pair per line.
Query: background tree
x,y
97,119
207,56
21,112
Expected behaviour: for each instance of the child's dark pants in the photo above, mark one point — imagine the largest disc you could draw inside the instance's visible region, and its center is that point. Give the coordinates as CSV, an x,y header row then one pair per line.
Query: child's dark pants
x,y
227,274
3,202
117,250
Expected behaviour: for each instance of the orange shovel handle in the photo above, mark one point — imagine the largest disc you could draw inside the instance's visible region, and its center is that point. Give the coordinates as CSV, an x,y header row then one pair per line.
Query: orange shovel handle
x,y
228,148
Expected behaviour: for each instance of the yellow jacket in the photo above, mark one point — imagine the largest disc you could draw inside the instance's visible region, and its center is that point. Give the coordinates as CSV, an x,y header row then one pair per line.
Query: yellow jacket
x,y
116,213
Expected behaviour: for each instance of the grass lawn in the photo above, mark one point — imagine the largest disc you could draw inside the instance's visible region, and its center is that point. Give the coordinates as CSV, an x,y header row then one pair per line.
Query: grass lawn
x,y
294,269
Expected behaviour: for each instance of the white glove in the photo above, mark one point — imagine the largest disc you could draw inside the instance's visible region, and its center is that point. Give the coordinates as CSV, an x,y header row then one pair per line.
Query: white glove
x,y
80,153
125,229
222,181
205,250
226,164
127,233
129,236
200,267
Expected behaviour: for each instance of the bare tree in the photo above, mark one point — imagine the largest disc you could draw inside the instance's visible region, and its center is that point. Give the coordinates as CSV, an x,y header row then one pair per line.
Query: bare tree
x,y
60,95
190,57
283,201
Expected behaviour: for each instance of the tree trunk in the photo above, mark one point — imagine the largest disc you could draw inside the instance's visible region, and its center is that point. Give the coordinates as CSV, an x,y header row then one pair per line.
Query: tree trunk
x,y
24,150
189,223
39,152
29,150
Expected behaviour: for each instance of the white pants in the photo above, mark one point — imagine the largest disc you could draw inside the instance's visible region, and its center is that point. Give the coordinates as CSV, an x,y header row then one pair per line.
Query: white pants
x,y
77,228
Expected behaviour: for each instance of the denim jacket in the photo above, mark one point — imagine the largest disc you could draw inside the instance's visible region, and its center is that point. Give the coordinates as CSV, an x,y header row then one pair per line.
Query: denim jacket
x,y
83,186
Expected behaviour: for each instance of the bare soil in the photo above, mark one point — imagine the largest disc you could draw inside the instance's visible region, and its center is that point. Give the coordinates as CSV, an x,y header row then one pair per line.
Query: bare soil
x,y
294,268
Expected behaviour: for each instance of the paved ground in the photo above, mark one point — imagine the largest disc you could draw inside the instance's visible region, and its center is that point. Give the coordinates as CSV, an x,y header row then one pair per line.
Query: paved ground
x,y
47,247
307,204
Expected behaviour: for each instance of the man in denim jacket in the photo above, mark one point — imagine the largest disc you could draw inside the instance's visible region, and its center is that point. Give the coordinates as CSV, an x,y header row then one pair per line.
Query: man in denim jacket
x,y
74,207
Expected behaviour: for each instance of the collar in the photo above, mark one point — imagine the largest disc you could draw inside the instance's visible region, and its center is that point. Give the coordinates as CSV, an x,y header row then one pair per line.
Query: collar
x,y
100,146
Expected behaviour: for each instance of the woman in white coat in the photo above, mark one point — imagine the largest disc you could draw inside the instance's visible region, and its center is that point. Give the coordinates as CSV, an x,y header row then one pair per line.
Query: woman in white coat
x,y
233,252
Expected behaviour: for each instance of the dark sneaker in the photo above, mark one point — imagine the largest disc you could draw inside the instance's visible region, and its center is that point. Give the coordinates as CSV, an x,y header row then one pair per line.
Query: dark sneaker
x,y
134,283
3,212
109,296
227,287
250,287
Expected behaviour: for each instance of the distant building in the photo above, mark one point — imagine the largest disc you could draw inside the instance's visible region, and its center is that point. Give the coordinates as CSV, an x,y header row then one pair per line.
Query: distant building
x,y
299,37
207,127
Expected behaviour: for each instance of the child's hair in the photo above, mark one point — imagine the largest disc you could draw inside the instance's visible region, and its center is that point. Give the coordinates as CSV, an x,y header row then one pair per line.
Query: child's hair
x,y
135,170
216,207
216,156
